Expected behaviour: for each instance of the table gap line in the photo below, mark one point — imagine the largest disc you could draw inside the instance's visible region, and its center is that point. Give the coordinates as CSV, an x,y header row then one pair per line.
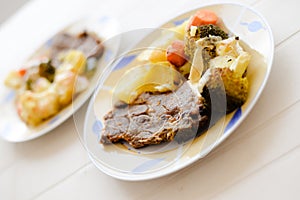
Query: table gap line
x,y
279,44
257,170
61,180
225,147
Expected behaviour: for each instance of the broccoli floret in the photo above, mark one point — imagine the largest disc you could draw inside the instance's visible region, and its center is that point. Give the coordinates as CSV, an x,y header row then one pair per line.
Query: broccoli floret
x,y
201,32
224,87
43,69
47,70
208,30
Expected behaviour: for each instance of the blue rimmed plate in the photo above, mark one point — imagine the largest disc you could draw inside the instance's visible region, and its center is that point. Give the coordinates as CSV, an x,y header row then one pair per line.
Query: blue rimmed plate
x,y
123,162
12,128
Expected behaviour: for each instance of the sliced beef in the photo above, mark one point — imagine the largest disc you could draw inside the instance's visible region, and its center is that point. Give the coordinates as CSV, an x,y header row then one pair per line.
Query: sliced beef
x,y
86,42
156,118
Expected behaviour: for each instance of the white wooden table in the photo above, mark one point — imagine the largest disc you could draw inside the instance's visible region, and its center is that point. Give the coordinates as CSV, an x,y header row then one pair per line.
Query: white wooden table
x,y
260,160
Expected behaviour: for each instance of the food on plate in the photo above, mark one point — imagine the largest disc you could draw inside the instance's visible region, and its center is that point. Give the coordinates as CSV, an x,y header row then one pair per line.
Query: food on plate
x,y
160,77
197,32
203,17
236,87
212,67
154,118
176,54
48,82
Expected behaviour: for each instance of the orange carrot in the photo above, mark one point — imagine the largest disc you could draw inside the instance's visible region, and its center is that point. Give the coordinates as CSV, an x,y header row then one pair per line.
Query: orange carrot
x,y
175,53
203,17
22,72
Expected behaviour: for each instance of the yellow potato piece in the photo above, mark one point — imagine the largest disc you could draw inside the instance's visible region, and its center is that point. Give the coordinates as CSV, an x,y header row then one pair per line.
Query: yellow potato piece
x,y
158,53
180,29
159,77
13,80
241,63
74,61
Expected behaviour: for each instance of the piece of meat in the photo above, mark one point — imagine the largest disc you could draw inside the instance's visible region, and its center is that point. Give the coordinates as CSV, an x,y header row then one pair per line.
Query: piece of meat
x,y
86,42
156,118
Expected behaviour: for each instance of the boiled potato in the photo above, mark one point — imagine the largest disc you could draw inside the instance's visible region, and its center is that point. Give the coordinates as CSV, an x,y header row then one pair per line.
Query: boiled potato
x,y
159,77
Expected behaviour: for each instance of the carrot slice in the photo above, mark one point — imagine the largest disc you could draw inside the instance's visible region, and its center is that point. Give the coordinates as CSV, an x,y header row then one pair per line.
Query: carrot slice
x,y
203,17
22,72
175,53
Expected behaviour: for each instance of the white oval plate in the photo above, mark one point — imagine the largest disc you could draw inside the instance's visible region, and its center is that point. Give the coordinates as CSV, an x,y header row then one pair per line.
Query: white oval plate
x,y
13,129
123,162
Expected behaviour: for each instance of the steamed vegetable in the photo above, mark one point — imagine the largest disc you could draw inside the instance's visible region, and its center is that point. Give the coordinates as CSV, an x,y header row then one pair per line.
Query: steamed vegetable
x,y
74,61
175,53
152,77
196,32
224,82
219,63
205,50
203,17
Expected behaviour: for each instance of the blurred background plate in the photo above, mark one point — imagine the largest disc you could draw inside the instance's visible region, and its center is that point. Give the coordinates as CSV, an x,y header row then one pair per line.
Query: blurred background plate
x,y
12,128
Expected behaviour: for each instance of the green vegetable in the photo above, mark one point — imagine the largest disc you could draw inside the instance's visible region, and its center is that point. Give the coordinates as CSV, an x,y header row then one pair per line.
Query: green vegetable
x,y
47,71
201,32
42,69
210,30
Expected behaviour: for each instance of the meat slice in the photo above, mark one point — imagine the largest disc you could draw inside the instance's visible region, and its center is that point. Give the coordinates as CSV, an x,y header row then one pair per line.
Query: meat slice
x,y
86,42
156,118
